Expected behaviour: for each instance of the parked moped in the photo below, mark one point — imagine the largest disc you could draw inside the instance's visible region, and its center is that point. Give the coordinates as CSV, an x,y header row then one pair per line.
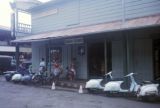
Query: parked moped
x,y
98,84
114,87
8,75
148,91
41,78
16,78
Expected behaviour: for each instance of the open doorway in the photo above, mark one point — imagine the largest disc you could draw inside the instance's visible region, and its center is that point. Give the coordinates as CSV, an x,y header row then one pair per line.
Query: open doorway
x,y
156,59
96,60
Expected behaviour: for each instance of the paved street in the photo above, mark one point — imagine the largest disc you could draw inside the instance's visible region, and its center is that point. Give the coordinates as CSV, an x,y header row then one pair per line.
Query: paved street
x,y
20,96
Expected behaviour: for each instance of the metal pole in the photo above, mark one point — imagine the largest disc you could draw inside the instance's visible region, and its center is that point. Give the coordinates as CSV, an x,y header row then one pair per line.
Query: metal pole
x,y
49,56
17,55
13,20
16,21
105,55
13,26
128,53
125,54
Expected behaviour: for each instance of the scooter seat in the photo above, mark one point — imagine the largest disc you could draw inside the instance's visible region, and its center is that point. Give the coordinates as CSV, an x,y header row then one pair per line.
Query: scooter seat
x,y
147,82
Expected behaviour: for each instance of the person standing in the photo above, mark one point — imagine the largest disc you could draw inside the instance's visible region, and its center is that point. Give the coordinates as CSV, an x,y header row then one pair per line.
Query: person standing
x,y
72,70
57,70
42,66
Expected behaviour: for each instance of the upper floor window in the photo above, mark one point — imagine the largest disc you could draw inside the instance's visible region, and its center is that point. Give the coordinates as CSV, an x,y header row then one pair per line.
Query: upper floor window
x,y
24,22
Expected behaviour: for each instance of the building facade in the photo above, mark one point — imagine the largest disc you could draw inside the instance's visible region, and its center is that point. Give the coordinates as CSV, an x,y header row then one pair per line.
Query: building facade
x,y
21,26
121,36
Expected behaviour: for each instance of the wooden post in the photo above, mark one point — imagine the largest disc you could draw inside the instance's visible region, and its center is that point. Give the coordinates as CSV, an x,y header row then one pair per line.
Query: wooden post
x,y
49,56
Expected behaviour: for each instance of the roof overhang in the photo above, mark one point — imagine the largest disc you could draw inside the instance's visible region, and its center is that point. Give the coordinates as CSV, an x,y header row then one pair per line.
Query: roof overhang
x,y
92,29
4,28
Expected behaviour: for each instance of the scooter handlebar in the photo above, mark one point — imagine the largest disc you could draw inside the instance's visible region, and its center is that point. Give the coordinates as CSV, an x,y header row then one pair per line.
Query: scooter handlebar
x,y
130,74
109,73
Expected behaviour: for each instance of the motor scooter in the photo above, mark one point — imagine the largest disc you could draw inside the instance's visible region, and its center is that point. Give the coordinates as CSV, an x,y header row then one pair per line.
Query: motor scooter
x,y
41,78
8,75
116,87
16,78
98,84
148,91
26,79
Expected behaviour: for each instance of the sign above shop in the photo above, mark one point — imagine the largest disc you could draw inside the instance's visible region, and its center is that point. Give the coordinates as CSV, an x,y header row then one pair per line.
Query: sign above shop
x,y
74,41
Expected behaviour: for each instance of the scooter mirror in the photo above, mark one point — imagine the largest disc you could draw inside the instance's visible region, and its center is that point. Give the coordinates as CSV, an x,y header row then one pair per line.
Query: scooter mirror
x,y
109,73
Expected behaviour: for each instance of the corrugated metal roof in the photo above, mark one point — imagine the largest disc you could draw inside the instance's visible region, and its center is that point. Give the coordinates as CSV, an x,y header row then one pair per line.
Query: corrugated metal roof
x,y
105,27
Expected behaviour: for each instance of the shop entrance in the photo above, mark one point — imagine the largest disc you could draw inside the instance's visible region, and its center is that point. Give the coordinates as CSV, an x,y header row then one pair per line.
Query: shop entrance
x,y
157,58
96,60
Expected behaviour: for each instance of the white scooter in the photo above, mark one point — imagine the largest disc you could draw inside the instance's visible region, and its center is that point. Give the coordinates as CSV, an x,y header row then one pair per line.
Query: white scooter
x,y
113,87
148,91
98,84
16,78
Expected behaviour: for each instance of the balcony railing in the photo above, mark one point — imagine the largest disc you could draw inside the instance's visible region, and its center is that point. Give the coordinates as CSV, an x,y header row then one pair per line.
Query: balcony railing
x,y
24,28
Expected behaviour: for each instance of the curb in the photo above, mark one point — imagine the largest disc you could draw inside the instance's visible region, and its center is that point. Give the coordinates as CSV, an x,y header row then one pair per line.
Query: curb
x,y
58,88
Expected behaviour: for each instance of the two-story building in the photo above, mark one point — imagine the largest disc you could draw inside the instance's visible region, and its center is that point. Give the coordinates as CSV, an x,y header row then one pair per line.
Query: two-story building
x,y
121,36
21,26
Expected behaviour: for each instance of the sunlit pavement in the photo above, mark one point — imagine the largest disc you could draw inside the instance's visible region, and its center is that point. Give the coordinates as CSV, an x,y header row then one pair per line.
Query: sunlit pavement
x,y
20,96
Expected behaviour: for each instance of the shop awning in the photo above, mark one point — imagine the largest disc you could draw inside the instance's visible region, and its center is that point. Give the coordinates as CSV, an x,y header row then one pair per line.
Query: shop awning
x,y
13,49
7,49
92,29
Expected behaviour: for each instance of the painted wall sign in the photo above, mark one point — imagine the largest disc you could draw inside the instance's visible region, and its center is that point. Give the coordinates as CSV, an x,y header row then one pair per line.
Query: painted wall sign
x,y
74,41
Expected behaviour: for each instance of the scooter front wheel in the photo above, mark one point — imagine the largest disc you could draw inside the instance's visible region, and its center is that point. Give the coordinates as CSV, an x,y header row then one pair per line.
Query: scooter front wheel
x,y
36,79
147,98
90,90
108,94
112,94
